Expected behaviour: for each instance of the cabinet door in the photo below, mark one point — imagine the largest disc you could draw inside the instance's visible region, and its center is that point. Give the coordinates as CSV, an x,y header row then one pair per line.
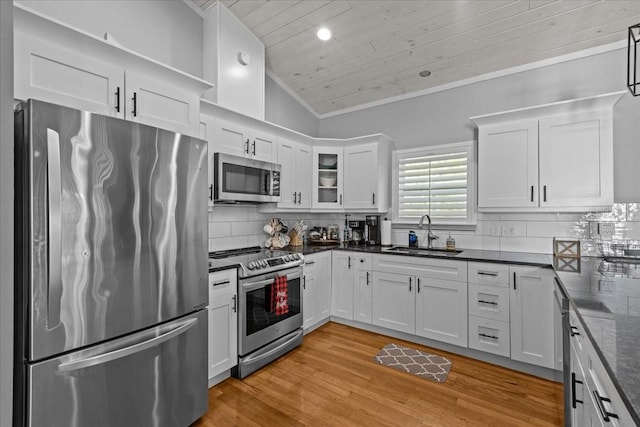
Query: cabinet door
x,y
286,158
156,103
532,304
323,285
263,146
48,72
223,333
360,176
327,178
362,292
578,391
441,310
207,130
309,294
232,138
394,301
508,165
303,178
576,160
342,277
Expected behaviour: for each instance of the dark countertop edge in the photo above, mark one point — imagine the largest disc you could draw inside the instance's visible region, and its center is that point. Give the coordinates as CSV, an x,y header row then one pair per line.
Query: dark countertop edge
x,y
223,267
499,257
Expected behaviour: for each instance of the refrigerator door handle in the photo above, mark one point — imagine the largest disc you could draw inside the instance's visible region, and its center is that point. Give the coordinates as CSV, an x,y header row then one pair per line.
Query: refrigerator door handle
x,y
54,243
126,351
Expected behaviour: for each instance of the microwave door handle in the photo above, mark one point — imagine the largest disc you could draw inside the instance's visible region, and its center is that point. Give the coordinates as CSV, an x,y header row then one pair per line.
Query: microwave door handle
x,y
54,244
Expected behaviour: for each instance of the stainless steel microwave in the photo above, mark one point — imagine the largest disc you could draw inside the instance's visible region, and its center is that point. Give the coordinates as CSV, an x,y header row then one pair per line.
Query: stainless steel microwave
x,y
243,180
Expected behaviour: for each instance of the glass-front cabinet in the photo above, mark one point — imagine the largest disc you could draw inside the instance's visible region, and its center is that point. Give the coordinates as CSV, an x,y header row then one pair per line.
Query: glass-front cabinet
x,y
327,178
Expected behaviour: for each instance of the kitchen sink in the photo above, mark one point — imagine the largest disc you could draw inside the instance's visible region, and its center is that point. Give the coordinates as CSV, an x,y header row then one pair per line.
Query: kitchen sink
x,y
421,251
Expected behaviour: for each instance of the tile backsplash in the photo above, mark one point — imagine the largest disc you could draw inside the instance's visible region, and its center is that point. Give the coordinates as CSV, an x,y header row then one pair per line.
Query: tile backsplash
x,y
240,226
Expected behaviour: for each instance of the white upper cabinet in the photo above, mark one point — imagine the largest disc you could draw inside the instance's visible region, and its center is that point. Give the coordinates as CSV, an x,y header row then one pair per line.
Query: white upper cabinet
x,y
353,174
62,65
327,178
554,157
234,60
295,179
508,165
240,139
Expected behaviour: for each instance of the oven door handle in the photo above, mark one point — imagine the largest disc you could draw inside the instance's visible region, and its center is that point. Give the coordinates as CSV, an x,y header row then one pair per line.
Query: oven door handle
x,y
251,285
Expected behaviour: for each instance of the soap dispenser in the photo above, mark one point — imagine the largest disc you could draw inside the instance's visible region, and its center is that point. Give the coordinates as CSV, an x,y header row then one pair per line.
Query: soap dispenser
x,y
451,243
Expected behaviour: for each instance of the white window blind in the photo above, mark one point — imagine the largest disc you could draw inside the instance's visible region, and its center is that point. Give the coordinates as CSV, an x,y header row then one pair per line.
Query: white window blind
x,y
435,181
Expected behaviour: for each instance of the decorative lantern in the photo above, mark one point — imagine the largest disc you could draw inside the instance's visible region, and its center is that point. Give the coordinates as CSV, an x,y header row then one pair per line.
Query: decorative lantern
x,y
633,61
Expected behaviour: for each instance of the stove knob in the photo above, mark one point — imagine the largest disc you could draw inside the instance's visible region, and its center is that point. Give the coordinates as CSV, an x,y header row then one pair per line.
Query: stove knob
x,y
288,258
296,256
264,264
251,265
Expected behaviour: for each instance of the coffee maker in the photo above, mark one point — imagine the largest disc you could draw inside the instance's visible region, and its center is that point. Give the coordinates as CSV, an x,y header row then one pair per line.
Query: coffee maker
x,y
357,231
372,231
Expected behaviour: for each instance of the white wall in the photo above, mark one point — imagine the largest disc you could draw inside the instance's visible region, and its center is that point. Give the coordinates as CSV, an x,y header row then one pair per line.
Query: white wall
x,y
6,211
443,117
283,109
167,31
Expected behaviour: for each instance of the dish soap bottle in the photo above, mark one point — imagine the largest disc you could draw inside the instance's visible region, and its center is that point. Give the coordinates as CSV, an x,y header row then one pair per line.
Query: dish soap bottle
x,y
451,243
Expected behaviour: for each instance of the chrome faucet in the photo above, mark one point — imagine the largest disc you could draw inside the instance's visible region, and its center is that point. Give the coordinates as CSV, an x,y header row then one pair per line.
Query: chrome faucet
x,y
430,236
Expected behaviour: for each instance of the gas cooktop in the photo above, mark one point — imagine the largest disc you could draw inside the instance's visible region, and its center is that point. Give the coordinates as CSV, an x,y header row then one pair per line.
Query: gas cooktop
x,y
254,260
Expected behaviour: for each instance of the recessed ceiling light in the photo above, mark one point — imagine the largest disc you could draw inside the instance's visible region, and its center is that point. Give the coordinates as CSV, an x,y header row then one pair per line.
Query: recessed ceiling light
x,y
424,73
324,34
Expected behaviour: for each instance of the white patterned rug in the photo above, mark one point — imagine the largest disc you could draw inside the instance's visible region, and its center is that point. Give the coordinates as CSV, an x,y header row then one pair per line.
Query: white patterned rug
x,y
425,365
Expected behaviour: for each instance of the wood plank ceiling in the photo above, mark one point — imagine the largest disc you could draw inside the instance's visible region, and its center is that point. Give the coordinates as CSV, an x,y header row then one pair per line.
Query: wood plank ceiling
x,y
379,47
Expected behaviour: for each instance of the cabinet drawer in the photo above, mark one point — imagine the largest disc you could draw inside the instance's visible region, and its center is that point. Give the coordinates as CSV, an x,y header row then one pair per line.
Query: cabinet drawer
x,y
444,269
489,302
489,335
486,273
223,282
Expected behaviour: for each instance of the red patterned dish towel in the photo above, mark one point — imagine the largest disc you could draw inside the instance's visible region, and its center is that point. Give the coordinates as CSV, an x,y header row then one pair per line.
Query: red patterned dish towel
x,y
279,296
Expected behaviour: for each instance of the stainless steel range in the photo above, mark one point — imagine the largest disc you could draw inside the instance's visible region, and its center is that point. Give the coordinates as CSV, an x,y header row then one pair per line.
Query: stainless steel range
x,y
270,304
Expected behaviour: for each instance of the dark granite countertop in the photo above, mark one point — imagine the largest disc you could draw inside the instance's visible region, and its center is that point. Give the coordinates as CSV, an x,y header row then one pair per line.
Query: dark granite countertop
x,y
541,260
606,297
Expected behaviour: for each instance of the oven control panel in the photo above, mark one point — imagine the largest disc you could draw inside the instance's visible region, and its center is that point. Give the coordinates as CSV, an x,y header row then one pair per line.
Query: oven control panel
x,y
274,262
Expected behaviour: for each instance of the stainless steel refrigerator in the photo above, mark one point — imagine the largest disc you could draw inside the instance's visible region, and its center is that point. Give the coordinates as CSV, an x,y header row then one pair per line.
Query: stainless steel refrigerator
x,y
111,277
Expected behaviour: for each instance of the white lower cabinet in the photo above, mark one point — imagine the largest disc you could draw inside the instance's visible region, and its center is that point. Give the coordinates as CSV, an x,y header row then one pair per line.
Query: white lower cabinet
x,y
426,297
492,336
394,301
349,288
594,399
223,321
440,310
532,305
316,289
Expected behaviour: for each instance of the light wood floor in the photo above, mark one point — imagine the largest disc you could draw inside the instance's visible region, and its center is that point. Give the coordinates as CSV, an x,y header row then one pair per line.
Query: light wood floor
x,y
331,381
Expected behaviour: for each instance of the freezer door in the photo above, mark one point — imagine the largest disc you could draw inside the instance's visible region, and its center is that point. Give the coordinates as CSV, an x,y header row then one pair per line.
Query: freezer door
x,y
157,377
117,231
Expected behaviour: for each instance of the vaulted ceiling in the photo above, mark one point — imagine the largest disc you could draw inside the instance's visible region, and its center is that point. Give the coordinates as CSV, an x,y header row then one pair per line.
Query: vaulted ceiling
x,y
379,48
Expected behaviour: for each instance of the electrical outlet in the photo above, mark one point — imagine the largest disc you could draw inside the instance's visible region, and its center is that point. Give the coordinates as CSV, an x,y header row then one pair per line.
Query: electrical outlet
x,y
601,230
607,286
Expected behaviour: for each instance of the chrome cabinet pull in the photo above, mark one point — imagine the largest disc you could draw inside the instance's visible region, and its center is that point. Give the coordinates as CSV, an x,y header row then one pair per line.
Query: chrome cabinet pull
x,y
574,381
54,195
606,415
487,302
235,303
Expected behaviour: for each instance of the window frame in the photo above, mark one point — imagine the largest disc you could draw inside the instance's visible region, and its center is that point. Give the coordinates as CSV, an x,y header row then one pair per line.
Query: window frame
x,y
471,219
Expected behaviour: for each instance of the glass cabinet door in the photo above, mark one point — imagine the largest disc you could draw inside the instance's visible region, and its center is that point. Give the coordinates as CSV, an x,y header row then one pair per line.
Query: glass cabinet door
x,y
328,177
